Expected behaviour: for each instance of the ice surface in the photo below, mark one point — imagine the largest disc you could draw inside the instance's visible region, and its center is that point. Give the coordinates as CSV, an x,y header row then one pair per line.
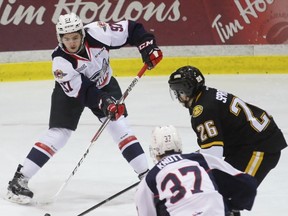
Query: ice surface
x,y
24,115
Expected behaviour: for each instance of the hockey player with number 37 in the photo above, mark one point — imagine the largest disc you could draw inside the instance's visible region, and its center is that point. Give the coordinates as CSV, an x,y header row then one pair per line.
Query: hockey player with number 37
x,y
190,184
84,79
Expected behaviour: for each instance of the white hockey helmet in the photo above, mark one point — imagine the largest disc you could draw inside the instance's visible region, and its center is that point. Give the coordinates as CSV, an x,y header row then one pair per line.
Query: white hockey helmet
x,y
69,23
164,139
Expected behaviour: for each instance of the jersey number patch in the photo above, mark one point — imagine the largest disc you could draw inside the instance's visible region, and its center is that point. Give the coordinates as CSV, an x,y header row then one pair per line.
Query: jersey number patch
x,y
177,188
259,125
66,86
207,130
116,27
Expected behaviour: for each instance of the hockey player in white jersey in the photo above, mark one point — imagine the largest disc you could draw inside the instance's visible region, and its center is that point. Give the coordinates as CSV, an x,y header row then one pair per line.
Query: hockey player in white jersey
x,y
192,184
84,78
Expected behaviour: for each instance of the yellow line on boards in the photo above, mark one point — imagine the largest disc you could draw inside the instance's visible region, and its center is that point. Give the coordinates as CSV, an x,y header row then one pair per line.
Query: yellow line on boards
x,y
26,71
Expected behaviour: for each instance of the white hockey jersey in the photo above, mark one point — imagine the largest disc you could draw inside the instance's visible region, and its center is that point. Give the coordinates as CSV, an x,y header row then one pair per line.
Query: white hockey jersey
x,y
184,184
70,69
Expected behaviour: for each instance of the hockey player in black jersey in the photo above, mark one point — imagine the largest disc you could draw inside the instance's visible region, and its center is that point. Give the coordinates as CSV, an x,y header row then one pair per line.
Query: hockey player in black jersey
x,y
84,78
226,126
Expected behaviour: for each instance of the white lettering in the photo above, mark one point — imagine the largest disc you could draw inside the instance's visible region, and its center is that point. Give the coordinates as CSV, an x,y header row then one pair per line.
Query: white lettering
x,y
169,159
225,32
145,44
259,5
105,12
29,14
160,10
221,96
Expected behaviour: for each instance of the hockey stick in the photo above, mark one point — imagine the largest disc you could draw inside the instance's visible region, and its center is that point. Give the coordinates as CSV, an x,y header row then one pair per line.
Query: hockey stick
x,y
108,199
124,96
98,133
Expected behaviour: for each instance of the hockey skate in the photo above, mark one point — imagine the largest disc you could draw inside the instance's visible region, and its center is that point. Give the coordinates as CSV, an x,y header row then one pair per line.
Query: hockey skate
x,y
18,190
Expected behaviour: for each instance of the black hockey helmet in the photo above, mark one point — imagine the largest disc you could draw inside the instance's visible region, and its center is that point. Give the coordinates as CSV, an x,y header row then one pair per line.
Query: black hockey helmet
x,y
187,80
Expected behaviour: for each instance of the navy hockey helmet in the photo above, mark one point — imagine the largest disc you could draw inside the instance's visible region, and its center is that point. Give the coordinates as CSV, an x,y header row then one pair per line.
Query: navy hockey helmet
x,y
186,80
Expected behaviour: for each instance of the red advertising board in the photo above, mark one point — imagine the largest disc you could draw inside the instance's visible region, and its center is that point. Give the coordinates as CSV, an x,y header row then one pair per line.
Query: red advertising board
x,y
30,24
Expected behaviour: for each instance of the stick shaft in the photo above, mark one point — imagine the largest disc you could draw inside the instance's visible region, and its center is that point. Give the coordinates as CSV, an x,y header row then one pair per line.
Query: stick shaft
x,y
99,131
121,100
108,199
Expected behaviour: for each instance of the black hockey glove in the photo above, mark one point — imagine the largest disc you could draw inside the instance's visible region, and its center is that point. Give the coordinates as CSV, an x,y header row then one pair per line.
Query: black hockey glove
x,y
110,108
151,54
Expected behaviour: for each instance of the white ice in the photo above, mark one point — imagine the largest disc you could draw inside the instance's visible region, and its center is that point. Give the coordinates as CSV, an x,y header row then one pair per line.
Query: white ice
x,y
24,115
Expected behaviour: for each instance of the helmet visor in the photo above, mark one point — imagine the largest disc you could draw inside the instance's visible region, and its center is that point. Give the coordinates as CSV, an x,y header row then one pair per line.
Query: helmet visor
x,y
173,94
181,87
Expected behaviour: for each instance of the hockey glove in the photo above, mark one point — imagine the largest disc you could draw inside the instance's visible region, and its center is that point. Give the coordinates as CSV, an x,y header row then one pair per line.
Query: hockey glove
x,y
110,108
151,54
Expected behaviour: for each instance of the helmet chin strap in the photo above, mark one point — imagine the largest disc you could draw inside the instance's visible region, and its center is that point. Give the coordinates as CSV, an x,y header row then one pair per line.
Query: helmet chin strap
x,y
81,48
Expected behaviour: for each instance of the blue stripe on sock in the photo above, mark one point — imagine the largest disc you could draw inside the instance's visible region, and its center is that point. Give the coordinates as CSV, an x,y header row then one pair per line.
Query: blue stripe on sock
x,y
37,157
132,151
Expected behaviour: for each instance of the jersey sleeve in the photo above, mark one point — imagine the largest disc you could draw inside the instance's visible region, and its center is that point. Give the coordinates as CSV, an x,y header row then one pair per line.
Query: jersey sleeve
x,y
138,34
220,164
237,188
112,35
144,200
119,33
116,35
216,151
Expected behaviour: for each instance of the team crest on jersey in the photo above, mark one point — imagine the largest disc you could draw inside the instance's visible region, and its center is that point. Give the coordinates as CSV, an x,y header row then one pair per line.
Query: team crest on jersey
x,y
59,74
197,111
102,25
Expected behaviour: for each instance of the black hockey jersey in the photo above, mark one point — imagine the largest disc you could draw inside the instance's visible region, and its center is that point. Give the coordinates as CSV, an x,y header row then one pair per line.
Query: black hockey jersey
x,y
222,119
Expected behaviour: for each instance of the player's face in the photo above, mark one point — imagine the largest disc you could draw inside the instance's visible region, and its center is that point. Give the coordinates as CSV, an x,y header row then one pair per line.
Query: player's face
x,y
72,41
184,99
181,97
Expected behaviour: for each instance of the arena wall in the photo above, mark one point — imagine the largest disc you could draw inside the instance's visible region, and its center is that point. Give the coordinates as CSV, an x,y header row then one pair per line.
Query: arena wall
x,y
235,37
232,59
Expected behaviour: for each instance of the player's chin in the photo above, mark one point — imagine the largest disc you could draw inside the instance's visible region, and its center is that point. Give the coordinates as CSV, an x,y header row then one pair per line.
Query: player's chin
x,y
72,50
